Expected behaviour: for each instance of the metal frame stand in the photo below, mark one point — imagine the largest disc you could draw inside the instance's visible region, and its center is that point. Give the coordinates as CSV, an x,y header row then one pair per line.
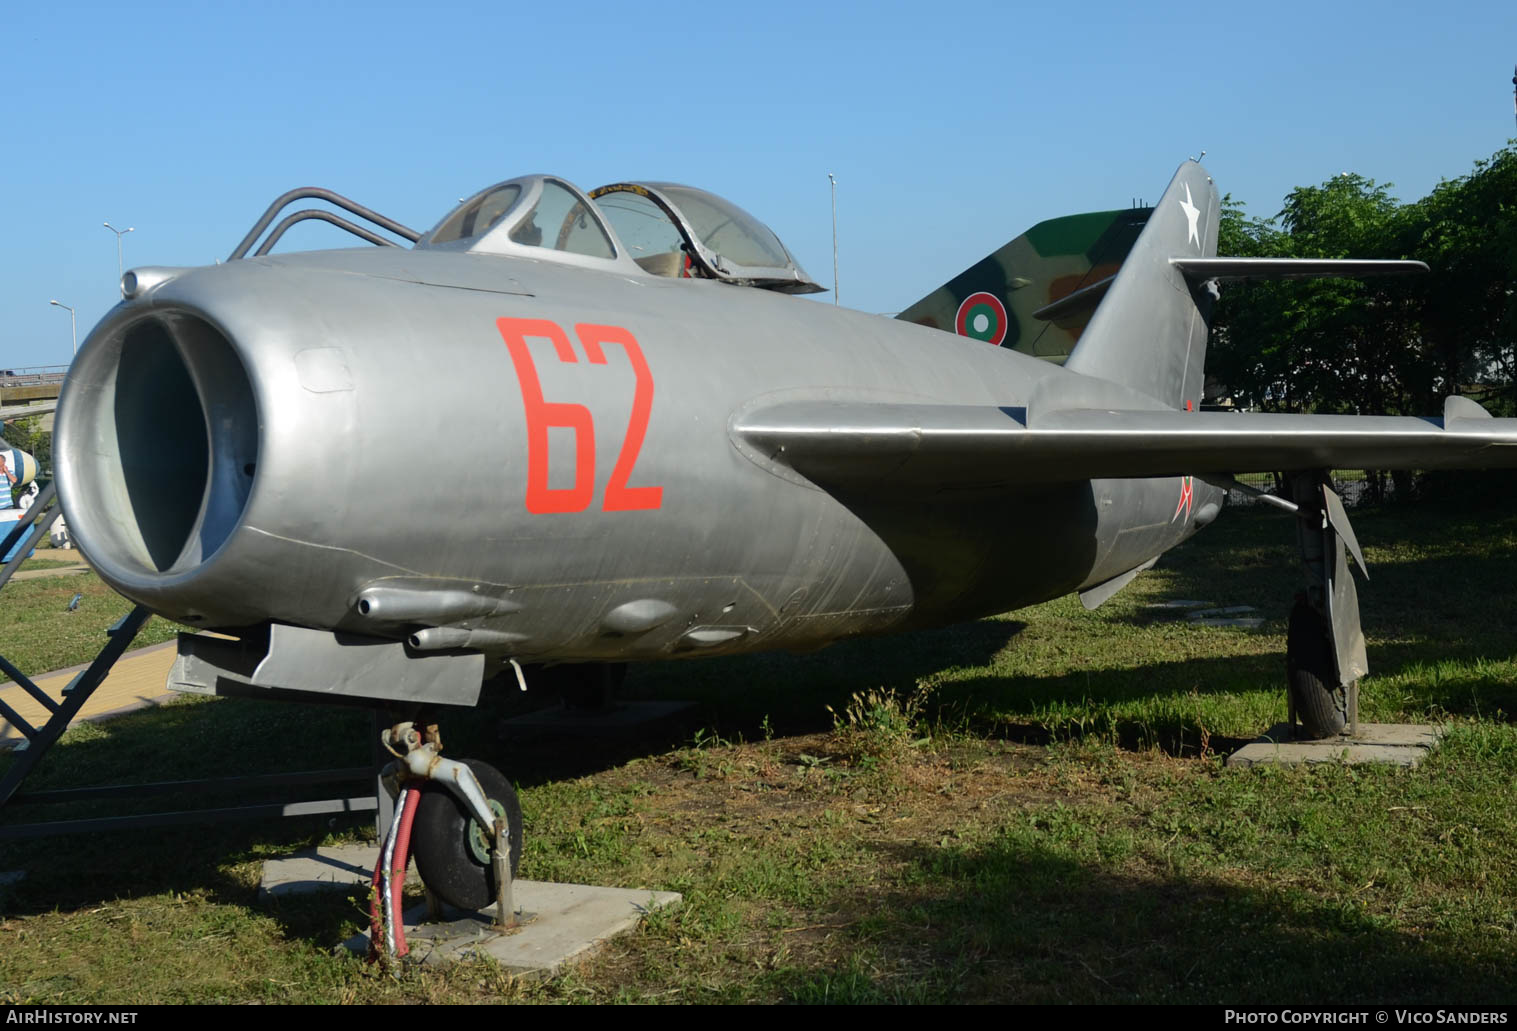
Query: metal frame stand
x,y
61,714
1324,537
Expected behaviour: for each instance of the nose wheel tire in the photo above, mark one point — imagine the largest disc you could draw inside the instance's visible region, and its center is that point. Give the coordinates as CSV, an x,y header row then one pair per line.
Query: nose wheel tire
x,y
452,851
1321,703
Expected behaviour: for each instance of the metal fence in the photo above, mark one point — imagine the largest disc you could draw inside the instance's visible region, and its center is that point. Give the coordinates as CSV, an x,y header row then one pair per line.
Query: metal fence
x,y
32,375
1354,486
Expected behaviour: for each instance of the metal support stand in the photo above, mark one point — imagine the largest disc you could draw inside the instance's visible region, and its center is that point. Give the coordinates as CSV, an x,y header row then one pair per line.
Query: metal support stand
x,y
40,517
500,860
1305,490
1327,641
39,740
384,808
434,904
78,692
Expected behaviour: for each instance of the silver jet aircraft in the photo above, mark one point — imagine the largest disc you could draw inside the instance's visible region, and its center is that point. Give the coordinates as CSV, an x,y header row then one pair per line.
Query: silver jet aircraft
x,y
595,428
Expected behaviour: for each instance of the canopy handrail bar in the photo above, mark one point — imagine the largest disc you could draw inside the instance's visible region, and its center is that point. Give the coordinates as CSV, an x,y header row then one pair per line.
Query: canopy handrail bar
x,y
331,197
325,216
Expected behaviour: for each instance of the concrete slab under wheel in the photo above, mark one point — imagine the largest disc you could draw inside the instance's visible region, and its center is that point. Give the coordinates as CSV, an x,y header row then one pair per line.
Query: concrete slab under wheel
x,y
560,922
1399,744
330,867
610,721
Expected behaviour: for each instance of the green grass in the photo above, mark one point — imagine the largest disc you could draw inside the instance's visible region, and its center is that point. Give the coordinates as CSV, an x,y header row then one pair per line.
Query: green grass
x,y
38,631
1025,809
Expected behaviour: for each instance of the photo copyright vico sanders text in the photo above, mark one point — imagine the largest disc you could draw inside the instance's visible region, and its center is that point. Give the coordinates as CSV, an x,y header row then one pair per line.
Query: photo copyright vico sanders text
x,y
1376,1016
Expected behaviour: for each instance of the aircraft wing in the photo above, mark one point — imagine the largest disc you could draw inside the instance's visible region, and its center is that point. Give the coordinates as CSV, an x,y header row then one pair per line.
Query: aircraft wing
x,y
884,446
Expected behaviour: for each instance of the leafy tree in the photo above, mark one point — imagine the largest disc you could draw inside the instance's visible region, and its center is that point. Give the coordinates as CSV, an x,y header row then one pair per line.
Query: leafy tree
x,y
1388,345
1249,357
1466,230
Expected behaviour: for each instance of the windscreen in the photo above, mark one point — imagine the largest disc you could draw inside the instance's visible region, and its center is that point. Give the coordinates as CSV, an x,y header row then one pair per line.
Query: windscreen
x,y
479,216
561,220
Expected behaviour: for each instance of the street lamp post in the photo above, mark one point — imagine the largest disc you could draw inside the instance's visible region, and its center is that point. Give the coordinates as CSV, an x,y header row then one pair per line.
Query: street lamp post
x,y
834,183
119,234
73,325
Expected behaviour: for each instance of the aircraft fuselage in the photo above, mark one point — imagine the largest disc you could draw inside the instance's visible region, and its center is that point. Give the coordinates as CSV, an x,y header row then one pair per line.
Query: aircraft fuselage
x,y
366,440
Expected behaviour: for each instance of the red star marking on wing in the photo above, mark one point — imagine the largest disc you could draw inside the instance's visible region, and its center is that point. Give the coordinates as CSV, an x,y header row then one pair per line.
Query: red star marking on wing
x,y
1187,498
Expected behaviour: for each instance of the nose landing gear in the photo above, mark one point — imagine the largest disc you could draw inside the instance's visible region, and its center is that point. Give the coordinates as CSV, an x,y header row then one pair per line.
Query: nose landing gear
x,y
467,825
454,851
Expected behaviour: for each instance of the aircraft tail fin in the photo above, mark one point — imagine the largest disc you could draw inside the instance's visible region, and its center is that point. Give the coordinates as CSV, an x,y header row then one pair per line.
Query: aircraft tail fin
x,y
1149,331
1150,327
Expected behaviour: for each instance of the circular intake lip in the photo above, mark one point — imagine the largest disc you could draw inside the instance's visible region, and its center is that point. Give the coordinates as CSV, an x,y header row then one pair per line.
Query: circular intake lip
x,y
153,489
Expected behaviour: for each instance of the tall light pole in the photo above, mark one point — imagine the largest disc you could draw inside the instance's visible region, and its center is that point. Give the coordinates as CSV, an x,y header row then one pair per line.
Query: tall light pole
x,y
73,325
834,183
119,234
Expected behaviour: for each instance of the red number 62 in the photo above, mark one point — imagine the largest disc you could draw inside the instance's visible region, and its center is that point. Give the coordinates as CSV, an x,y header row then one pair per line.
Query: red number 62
x,y
544,415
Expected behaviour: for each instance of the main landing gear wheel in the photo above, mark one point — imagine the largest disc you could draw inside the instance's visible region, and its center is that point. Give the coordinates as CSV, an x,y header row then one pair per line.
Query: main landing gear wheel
x,y
452,851
1320,703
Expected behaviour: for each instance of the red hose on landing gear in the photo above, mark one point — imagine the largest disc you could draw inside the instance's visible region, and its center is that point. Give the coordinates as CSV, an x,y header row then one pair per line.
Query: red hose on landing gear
x,y
387,935
398,871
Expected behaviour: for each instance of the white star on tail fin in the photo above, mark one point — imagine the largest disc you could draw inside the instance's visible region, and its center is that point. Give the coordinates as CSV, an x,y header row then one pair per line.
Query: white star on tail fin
x,y
1191,214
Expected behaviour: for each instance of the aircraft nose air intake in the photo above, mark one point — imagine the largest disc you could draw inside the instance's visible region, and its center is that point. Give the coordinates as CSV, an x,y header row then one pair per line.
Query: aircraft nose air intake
x,y
157,445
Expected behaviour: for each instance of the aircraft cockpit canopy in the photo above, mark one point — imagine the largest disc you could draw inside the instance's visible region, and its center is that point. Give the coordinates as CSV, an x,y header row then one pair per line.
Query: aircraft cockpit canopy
x,y
534,211
704,232
664,228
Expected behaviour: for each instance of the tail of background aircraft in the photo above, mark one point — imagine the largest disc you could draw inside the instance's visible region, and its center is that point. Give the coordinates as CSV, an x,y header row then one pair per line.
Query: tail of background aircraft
x,y
1149,330
1099,293
1131,292
1032,294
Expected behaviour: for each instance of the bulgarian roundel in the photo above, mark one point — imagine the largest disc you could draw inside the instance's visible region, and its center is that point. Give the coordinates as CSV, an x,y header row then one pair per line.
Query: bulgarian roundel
x,y
982,316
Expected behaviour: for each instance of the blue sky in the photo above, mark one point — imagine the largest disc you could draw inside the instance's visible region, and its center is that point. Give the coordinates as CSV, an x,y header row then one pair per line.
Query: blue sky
x,y
950,127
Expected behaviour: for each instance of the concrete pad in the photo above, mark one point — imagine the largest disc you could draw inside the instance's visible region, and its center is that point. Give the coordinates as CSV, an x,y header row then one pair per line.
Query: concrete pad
x,y
1230,610
613,720
330,867
560,924
1400,744
1231,615
1178,603
44,574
